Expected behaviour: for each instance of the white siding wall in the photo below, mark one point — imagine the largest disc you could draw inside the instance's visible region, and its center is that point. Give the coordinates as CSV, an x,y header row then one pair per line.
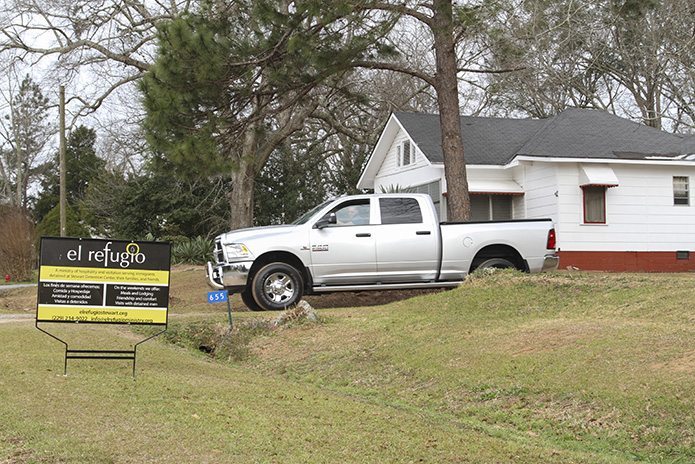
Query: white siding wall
x,y
409,177
519,201
539,181
390,166
640,214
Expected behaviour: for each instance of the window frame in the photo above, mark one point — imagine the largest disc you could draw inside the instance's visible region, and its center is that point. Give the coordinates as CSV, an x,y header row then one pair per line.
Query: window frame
x,y
604,190
427,188
405,158
407,153
490,199
347,203
687,191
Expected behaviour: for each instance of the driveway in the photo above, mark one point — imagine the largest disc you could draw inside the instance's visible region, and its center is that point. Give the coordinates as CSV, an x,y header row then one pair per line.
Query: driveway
x,y
11,286
5,318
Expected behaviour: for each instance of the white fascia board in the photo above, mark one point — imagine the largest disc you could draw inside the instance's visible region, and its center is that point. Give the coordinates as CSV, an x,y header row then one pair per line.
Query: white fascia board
x,y
381,148
649,162
367,178
475,167
486,167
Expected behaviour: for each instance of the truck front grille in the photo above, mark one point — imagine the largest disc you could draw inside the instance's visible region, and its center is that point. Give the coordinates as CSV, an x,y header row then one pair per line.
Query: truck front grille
x,y
219,254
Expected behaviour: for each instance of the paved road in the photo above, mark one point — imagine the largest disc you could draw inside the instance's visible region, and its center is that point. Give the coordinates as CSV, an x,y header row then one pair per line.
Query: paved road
x,y
11,286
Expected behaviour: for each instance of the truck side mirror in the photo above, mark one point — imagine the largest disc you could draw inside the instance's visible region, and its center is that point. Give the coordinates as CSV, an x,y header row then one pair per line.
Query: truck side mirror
x,y
326,221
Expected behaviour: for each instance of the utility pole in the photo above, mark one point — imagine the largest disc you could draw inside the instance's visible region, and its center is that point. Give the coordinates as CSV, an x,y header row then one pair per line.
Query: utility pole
x,y
63,201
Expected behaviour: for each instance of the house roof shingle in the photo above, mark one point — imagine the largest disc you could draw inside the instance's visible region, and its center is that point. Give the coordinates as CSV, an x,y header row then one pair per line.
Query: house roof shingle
x,y
574,133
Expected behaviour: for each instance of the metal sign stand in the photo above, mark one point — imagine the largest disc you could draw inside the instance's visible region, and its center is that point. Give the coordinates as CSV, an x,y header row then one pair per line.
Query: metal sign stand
x,y
128,355
229,314
222,296
101,281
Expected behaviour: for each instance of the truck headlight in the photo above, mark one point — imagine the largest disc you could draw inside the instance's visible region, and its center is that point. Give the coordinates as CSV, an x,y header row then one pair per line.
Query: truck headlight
x,y
236,251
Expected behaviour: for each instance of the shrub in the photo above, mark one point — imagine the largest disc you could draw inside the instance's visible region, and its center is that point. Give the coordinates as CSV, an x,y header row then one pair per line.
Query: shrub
x,y
196,250
218,341
17,252
50,224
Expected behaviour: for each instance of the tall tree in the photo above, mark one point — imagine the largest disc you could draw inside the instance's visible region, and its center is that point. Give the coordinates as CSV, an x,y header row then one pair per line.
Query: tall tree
x,y
112,41
231,84
83,166
156,201
630,57
291,183
449,24
24,132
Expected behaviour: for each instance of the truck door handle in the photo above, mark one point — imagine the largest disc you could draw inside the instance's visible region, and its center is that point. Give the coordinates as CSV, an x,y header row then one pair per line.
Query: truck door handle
x,y
423,232
363,235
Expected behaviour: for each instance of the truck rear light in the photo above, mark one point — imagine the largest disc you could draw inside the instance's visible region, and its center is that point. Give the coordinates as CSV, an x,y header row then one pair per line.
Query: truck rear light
x,y
552,238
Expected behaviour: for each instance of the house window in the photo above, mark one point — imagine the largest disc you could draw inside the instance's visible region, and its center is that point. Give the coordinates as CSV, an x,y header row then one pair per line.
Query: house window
x,y
594,204
432,189
491,207
405,154
681,191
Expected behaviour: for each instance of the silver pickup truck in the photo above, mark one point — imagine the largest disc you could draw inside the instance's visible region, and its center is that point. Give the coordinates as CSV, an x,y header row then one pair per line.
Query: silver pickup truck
x,y
371,242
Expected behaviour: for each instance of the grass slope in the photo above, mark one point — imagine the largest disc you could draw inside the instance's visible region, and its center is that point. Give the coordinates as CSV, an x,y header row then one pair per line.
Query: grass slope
x,y
507,368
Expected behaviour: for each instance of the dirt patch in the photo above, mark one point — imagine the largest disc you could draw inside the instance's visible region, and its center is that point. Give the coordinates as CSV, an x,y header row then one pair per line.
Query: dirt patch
x,y
366,298
20,299
17,452
683,365
549,336
579,416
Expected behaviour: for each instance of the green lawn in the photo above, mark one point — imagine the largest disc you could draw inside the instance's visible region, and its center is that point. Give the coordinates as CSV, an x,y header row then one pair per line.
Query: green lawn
x,y
576,367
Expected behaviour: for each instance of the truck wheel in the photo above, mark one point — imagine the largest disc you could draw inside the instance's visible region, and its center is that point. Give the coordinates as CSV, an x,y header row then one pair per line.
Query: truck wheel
x,y
277,286
247,298
498,263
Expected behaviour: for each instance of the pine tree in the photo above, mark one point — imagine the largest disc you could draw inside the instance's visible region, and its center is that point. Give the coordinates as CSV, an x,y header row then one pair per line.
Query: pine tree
x,y
82,167
24,133
231,84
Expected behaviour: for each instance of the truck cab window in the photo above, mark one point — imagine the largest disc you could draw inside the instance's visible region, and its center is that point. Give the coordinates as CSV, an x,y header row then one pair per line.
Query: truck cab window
x,y
400,211
352,213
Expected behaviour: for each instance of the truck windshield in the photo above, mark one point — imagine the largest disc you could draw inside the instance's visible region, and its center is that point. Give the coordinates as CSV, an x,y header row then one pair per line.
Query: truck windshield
x,y
306,216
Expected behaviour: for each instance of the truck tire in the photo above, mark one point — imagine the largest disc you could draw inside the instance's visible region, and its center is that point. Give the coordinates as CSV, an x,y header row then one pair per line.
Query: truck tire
x,y
277,286
247,298
498,263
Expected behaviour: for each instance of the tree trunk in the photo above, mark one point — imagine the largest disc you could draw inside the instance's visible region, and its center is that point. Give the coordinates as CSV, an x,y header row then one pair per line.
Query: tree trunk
x,y
458,202
241,196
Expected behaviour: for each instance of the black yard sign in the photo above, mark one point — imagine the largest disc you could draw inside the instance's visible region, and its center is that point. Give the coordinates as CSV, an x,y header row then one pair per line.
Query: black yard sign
x,y
103,281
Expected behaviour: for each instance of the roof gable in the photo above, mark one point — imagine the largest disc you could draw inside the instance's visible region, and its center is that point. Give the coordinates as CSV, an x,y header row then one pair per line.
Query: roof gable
x,y
485,140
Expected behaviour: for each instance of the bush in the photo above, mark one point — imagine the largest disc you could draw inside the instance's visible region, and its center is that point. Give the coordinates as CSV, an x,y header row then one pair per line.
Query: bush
x,y
218,341
17,252
196,250
50,224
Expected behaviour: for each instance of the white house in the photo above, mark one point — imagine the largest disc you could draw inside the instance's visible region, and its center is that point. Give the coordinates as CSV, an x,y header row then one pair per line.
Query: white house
x,y
619,192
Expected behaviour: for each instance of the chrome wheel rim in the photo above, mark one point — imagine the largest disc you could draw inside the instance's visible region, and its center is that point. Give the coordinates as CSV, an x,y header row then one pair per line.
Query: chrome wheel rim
x,y
278,287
